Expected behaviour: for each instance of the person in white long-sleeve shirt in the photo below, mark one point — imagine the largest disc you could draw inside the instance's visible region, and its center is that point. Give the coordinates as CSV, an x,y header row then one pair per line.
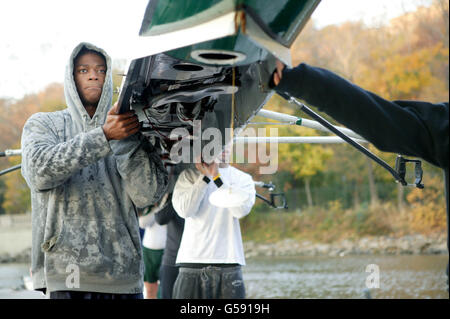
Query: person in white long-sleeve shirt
x,y
153,242
211,252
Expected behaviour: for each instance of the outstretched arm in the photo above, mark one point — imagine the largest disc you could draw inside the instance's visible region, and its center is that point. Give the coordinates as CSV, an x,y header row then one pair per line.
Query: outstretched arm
x,y
407,127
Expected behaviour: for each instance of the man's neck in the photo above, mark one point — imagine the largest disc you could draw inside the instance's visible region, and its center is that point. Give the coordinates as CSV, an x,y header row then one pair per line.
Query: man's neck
x,y
90,109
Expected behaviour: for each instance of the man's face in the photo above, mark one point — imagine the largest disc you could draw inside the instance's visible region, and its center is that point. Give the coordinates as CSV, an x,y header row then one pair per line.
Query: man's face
x,y
89,75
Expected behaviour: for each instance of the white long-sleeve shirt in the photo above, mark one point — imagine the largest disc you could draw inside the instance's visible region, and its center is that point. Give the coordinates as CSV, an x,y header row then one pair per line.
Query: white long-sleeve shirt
x,y
211,234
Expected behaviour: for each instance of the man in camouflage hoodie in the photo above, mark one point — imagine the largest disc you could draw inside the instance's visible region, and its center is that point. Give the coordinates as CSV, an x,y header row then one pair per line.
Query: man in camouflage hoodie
x,y
88,169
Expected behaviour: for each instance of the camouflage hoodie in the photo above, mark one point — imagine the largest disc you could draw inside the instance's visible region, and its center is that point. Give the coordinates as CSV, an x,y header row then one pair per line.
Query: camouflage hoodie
x,y
84,193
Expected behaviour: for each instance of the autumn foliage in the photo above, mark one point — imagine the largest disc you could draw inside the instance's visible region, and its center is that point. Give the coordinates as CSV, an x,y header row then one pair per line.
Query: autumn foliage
x,y
334,185
405,59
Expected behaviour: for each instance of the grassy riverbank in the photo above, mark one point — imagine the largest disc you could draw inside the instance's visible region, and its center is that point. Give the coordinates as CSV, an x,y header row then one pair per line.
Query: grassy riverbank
x,y
334,223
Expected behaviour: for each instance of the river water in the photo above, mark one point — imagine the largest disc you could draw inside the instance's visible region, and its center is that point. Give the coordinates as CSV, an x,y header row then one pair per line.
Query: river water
x,y
400,277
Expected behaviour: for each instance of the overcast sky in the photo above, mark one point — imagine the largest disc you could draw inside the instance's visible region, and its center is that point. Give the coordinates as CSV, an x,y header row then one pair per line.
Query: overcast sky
x,y
37,37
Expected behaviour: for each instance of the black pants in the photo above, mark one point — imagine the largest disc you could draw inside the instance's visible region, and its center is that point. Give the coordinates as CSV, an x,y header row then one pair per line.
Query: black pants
x,y
167,276
92,295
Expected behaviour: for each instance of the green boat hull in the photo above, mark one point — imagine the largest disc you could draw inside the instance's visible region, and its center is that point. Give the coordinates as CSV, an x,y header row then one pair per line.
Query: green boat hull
x,y
211,61
262,28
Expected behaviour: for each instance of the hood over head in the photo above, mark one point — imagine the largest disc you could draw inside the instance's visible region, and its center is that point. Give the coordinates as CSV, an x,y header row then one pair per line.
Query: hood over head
x,y
79,114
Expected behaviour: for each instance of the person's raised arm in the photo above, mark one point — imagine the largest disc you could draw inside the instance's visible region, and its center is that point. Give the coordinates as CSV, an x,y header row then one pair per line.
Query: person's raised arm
x,y
246,185
189,191
407,127
141,169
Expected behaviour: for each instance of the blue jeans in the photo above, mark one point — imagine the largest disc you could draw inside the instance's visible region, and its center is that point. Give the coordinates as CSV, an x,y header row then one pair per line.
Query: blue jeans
x,y
209,282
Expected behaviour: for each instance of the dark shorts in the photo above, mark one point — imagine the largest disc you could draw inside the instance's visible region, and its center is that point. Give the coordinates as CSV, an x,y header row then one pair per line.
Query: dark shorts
x,y
210,282
152,262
